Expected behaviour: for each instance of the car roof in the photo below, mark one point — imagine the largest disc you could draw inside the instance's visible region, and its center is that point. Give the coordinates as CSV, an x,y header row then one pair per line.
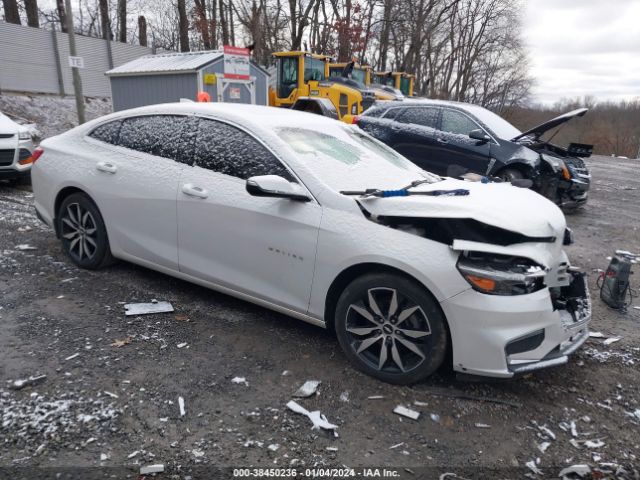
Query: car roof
x,y
386,104
257,116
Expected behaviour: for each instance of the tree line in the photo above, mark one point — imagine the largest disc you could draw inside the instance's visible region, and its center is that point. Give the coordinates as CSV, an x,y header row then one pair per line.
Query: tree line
x,y
466,50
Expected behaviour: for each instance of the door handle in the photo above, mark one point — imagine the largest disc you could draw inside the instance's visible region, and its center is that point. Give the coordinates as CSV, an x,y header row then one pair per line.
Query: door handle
x,y
106,167
442,140
194,191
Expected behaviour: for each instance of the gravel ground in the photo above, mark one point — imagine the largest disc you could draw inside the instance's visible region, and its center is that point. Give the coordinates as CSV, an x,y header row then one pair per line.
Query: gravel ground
x,y
111,394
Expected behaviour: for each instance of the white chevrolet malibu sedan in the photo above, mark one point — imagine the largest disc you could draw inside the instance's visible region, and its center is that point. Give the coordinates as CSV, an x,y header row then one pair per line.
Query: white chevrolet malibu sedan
x,y
315,219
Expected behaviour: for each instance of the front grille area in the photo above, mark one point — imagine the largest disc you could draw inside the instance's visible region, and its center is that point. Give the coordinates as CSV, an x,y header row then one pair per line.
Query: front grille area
x,y
6,157
576,162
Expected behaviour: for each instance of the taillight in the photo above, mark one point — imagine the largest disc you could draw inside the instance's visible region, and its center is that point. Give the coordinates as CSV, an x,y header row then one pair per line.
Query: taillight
x,y
33,157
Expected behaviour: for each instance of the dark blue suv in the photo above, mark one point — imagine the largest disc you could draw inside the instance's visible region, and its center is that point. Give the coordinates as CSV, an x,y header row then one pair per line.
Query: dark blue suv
x,y
451,137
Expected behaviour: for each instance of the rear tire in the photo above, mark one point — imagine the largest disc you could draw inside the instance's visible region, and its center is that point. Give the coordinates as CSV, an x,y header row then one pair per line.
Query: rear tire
x,y
391,328
82,232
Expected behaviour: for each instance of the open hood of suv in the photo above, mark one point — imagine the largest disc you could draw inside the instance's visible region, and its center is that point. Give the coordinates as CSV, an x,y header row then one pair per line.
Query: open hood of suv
x,y
538,131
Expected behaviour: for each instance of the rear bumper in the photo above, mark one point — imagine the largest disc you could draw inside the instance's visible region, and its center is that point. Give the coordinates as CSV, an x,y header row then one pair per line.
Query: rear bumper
x,y
485,328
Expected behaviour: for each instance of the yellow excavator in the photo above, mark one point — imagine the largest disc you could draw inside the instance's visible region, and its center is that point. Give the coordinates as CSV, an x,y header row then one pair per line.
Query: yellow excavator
x,y
361,74
303,83
399,80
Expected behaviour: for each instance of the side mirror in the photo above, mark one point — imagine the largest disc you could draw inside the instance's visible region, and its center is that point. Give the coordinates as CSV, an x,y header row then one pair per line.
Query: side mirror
x,y
479,135
275,186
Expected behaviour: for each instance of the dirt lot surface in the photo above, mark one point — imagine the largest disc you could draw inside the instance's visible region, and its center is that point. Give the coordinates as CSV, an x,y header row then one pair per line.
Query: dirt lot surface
x,y
111,394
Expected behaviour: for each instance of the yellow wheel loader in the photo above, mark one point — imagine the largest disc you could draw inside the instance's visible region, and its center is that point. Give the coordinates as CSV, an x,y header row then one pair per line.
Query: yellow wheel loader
x,y
401,81
361,74
303,83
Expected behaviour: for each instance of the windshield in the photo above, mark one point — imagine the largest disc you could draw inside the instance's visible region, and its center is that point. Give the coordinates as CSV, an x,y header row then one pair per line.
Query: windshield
x,y
313,69
358,75
500,127
346,159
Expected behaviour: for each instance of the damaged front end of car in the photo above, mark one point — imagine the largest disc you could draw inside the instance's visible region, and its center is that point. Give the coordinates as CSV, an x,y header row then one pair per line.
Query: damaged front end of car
x,y
525,308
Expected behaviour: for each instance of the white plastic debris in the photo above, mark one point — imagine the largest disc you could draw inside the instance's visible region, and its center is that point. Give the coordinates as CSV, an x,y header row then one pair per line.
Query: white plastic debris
x,y
149,469
197,453
435,417
482,425
418,403
308,388
25,246
71,357
594,443
544,429
574,430
318,420
596,335
396,445
133,454
580,470
574,442
240,381
181,406
273,447
531,465
406,412
182,345
26,382
112,395
375,397
543,446
146,308
344,396
611,340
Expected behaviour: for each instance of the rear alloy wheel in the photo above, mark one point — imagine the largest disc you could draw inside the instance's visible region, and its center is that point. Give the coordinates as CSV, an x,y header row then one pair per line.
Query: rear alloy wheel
x,y
82,232
391,328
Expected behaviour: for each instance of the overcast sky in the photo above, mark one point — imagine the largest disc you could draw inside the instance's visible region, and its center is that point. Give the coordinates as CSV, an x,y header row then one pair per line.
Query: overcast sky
x,y
583,47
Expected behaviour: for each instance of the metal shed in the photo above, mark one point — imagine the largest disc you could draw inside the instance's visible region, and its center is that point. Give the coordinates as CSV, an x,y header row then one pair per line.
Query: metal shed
x,y
168,77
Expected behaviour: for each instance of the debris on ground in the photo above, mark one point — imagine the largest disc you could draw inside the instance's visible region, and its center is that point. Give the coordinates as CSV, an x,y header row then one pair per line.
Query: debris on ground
x,y
150,469
25,246
580,470
181,406
318,419
531,465
543,446
406,412
145,308
375,397
240,381
27,382
482,425
182,345
308,388
594,443
435,417
344,396
611,340
121,343
71,357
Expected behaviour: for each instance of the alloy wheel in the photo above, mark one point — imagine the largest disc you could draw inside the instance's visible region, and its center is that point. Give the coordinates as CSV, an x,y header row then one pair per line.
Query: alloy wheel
x,y
80,231
388,330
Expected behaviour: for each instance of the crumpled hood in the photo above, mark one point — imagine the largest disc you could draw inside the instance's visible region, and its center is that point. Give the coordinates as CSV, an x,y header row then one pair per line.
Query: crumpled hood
x,y
500,205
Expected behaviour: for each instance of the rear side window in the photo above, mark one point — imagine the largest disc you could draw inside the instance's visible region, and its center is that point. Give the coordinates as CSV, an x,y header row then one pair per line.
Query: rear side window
x,y
392,113
107,132
223,148
168,136
423,116
457,122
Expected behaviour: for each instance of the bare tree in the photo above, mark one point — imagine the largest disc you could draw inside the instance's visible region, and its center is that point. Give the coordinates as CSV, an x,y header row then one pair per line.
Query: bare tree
x,y
183,26
105,22
11,12
142,30
122,21
62,16
31,7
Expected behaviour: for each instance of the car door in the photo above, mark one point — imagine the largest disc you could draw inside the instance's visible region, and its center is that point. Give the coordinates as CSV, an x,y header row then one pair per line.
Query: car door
x,y
454,147
138,163
261,246
414,136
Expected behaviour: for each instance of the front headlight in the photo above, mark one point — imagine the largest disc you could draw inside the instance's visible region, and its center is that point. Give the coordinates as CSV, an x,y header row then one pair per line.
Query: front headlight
x,y
495,274
24,136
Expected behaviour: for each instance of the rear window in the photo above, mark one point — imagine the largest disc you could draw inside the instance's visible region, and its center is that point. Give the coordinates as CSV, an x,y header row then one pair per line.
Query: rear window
x,y
167,136
107,132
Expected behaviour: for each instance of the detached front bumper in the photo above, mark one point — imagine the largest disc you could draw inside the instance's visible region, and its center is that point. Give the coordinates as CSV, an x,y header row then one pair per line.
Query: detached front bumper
x,y
503,336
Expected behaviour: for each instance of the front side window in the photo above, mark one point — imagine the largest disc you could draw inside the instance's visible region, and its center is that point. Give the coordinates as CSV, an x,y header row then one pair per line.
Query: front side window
x,y
457,122
313,69
107,132
223,148
423,116
167,136
287,76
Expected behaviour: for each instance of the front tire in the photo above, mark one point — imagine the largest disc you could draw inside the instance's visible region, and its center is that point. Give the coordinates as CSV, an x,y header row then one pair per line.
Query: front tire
x,y
391,328
510,174
82,232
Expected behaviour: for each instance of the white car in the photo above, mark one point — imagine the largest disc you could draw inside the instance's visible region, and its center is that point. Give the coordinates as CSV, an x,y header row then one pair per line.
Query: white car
x,y
268,205
16,147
